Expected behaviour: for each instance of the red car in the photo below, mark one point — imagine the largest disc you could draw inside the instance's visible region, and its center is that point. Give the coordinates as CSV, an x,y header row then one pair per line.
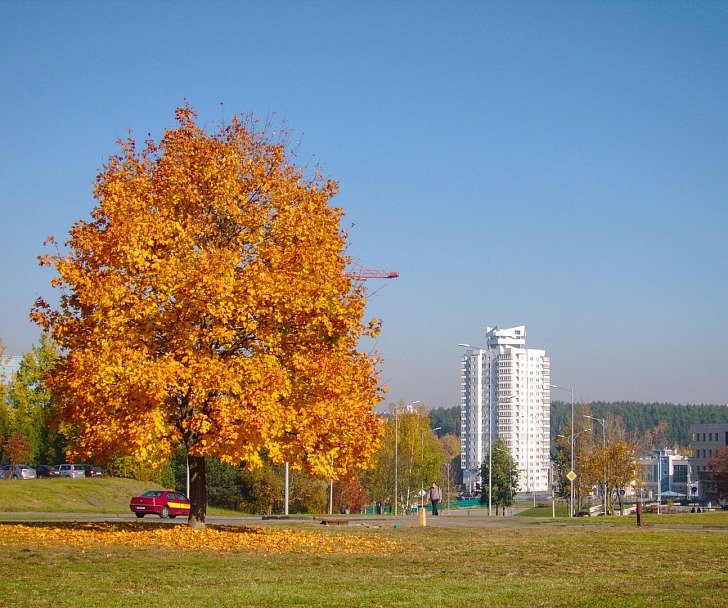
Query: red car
x,y
165,503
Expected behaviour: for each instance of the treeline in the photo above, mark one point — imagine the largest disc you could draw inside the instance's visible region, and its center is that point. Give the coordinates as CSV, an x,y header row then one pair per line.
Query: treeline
x,y
654,425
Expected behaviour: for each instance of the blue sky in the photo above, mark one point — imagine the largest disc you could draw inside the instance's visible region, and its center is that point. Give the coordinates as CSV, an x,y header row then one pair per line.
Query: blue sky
x,y
561,165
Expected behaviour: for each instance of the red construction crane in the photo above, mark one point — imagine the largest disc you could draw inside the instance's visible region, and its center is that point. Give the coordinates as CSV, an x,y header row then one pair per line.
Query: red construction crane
x,y
362,273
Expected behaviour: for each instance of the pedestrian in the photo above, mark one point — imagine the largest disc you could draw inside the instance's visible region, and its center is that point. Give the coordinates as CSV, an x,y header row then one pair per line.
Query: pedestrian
x,y
435,497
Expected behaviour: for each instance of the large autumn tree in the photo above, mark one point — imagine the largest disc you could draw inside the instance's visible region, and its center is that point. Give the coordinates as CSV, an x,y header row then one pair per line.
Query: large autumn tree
x,y
205,306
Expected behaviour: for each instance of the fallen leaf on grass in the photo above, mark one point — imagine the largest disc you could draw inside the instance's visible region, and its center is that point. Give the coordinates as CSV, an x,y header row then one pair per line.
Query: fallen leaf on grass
x,y
213,538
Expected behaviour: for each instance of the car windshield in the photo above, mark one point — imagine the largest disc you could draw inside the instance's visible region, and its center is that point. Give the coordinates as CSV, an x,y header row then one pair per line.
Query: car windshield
x,y
152,494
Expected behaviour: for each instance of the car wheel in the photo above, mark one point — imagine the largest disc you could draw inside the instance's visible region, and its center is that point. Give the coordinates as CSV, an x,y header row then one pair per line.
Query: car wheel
x,y
140,515
15,476
164,513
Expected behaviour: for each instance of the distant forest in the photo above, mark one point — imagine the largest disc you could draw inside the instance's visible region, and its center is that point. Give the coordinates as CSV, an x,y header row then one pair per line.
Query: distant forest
x,y
666,425
658,425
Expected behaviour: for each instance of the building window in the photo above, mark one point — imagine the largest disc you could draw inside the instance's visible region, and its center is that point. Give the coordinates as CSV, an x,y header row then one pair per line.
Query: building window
x,y
680,473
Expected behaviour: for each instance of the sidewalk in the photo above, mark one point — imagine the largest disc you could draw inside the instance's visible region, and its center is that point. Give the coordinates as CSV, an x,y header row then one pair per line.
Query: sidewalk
x,y
460,518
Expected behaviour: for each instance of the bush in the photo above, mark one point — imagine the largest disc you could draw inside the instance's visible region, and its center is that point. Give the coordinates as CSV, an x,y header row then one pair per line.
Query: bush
x,y
128,468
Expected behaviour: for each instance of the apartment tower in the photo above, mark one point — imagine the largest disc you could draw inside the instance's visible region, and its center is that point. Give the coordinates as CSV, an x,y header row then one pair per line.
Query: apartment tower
x,y
505,393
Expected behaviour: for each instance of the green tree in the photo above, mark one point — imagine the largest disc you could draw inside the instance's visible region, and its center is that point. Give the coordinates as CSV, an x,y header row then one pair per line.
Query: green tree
x,y
6,417
447,419
562,466
34,408
504,477
411,448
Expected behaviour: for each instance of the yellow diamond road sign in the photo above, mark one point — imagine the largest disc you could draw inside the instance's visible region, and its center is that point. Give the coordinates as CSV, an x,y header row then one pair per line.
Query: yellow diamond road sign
x,y
571,475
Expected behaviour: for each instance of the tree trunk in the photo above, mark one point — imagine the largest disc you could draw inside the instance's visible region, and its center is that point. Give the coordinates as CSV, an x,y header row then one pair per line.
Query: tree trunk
x,y
198,493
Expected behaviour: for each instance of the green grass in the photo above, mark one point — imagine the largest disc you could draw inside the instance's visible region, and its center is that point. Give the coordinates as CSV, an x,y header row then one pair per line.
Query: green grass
x,y
680,560
712,518
521,565
561,511
87,495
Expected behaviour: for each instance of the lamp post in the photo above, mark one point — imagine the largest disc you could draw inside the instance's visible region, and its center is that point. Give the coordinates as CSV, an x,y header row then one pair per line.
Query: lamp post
x,y
572,439
572,474
285,491
603,422
659,480
448,486
396,454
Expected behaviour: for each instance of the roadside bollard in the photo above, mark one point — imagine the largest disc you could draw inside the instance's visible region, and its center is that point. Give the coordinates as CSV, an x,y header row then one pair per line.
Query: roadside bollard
x,y
639,513
423,516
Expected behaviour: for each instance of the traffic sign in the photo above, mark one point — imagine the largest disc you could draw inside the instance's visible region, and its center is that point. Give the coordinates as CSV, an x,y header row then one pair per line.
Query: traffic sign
x,y
571,476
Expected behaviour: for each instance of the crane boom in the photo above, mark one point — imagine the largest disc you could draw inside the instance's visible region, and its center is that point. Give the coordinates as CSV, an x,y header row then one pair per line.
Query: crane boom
x,y
362,273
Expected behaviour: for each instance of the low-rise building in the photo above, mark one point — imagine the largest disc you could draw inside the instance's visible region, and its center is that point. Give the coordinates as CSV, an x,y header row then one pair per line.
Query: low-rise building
x,y
664,474
705,440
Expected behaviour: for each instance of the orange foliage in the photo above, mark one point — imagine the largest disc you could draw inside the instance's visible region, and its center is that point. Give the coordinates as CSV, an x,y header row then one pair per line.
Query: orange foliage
x,y
213,538
206,304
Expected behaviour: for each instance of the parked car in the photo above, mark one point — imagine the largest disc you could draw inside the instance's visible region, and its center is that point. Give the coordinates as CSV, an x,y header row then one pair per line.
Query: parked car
x,y
583,514
165,503
44,470
91,470
17,471
73,471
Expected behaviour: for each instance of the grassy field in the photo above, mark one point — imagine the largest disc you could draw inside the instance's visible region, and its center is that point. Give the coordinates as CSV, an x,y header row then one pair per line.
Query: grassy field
x,y
520,565
673,560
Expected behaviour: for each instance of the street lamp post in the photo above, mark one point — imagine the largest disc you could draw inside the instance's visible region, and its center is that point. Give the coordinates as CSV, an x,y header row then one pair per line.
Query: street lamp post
x,y
572,474
603,422
659,481
396,454
572,439
448,487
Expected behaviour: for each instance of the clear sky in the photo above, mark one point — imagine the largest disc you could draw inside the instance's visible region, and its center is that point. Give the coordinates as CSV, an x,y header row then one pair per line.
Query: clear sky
x,y
561,165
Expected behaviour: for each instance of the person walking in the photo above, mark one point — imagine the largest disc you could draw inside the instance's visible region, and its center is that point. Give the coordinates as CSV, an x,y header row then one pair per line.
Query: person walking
x,y
435,497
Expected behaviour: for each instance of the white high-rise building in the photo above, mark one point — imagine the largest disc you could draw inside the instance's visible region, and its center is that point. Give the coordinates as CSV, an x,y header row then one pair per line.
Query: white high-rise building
x,y
505,393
